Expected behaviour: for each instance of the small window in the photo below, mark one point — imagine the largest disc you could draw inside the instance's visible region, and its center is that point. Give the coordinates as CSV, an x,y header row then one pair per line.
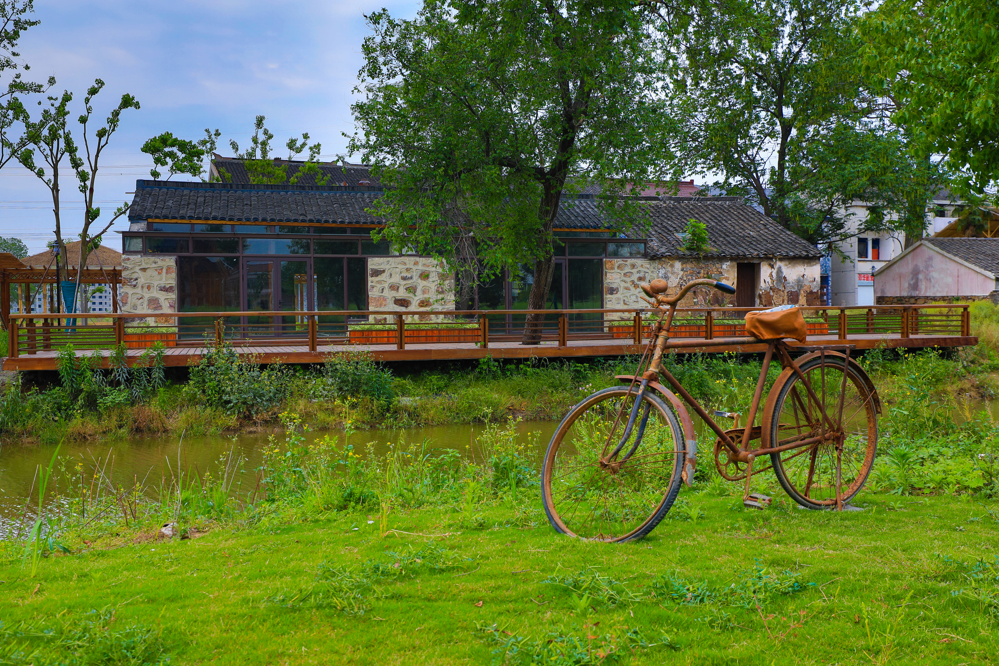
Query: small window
x,y
585,249
876,249
861,248
216,246
336,247
625,249
161,226
373,249
213,228
331,230
253,229
132,244
275,246
292,230
166,245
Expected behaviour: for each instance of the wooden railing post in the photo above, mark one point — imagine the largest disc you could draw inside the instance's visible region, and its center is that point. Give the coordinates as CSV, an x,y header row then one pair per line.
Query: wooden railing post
x,y
842,324
46,334
636,329
313,334
12,340
709,325
965,321
31,338
905,322
219,332
870,319
484,327
119,331
563,330
914,324
400,332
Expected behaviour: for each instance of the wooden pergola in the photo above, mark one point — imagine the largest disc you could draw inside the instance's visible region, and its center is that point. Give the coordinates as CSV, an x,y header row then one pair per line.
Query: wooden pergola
x,y
14,272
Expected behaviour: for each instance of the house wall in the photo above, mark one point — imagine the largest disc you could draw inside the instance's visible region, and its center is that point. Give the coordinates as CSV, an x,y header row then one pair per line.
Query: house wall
x,y
149,286
780,281
927,274
409,284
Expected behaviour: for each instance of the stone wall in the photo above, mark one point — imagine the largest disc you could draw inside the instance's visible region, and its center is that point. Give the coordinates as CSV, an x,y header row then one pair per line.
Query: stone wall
x,y
149,287
622,280
789,282
409,284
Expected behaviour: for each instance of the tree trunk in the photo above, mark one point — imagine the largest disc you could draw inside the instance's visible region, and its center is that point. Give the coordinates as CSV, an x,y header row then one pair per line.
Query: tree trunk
x,y
537,300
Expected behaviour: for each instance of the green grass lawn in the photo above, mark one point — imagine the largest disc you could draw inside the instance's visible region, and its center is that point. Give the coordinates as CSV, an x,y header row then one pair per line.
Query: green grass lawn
x,y
907,580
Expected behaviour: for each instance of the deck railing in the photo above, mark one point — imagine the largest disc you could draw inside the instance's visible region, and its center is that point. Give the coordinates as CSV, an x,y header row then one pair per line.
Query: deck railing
x,y
31,334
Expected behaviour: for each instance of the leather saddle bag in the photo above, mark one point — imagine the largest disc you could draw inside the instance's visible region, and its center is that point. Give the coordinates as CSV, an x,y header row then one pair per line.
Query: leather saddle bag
x,y
777,324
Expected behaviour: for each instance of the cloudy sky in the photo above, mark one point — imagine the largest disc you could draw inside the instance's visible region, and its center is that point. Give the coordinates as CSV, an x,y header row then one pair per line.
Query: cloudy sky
x,y
192,65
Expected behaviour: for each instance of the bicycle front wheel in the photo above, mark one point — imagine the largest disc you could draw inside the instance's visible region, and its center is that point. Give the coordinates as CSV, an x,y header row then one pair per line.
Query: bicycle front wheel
x,y
597,487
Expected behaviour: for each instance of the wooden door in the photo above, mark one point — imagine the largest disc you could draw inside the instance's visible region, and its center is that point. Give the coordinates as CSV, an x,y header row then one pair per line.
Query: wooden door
x,y
745,285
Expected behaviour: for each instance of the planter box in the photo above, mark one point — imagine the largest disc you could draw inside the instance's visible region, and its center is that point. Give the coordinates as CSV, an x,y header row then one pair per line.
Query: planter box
x,y
147,340
414,336
729,330
625,332
818,328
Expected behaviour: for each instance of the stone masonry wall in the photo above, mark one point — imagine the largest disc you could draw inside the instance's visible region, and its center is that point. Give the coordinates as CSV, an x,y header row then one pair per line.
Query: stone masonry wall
x,y
409,284
789,282
149,287
622,280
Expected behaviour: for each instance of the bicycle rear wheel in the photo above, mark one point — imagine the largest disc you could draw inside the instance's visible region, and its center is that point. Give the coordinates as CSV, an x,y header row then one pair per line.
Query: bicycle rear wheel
x,y
809,473
592,494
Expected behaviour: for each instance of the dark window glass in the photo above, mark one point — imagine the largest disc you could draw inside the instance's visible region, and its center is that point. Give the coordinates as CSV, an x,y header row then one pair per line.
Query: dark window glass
x,y
876,249
275,246
329,276
216,246
331,230
292,230
206,284
166,245
585,249
492,293
373,249
861,248
161,226
252,229
586,282
131,244
336,247
522,281
625,249
584,234
213,228
357,284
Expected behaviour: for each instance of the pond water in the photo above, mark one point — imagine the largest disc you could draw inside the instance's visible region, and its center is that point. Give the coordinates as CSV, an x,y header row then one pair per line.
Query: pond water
x,y
156,460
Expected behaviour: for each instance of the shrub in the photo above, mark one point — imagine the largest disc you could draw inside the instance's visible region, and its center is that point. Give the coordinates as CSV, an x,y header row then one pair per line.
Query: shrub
x,y
88,386
229,381
354,375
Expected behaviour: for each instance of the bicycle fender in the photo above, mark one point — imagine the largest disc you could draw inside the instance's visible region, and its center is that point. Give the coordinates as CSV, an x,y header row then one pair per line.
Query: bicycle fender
x,y
690,460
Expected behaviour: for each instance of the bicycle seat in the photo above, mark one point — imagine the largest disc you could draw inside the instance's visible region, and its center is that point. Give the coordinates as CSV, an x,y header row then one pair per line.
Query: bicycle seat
x,y
777,323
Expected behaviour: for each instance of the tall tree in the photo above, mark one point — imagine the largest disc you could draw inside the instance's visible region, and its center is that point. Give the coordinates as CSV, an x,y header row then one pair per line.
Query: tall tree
x,y
480,115
14,246
778,106
14,20
939,62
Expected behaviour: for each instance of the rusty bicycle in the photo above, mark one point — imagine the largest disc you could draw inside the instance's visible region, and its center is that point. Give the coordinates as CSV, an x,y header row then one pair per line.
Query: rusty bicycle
x,y
616,462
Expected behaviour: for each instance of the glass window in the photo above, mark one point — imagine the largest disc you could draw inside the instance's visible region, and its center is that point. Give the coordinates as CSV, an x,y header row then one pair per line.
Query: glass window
x,y
206,284
586,286
282,229
161,226
584,234
216,246
276,246
331,230
625,249
876,249
336,247
131,244
166,245
492,293
585,249
252,229
861,248
357,284
522,281
213,228
329,283
373,249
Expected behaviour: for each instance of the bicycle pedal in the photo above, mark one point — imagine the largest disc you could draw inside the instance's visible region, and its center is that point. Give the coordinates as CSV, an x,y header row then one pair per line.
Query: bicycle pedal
x,y
763,499
756,501
750,504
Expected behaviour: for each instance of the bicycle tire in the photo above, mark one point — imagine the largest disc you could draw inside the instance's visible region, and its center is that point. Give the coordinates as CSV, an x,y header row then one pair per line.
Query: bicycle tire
x,y
645,474
860,447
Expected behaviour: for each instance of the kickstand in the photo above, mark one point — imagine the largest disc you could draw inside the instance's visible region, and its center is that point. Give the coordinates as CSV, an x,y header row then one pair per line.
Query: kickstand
x,y
753,500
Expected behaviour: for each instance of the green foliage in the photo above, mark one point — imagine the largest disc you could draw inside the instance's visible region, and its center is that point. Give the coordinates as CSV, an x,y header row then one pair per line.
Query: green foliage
x,y
594,586
354,374
559,648
14,246
478,117
696,239
90,387
928,55
230,381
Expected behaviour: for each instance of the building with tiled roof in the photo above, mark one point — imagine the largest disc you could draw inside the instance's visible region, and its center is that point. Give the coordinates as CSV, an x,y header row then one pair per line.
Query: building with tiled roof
x,y
941,269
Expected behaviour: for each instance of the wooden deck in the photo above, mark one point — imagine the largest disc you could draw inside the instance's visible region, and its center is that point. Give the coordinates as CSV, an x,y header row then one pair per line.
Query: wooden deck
x,y
301,354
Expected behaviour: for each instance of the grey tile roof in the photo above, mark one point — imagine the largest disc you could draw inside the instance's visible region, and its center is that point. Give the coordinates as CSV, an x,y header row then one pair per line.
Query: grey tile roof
x,y
336,174
980,252
734,228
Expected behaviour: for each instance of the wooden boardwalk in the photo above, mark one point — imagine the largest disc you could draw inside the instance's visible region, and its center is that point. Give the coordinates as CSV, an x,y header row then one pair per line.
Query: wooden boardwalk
x,y
180,356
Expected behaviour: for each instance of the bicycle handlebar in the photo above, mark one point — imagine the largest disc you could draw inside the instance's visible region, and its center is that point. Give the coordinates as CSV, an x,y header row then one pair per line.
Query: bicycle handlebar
x,y
661,299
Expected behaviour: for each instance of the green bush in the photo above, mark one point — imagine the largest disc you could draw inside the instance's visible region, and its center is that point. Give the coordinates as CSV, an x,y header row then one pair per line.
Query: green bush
x,y
88,386
229,381
354,375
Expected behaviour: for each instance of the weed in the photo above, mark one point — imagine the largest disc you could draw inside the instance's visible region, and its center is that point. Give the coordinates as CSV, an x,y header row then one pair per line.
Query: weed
x,y
333,587
760,583
673,587
558,648
589,582
432,558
